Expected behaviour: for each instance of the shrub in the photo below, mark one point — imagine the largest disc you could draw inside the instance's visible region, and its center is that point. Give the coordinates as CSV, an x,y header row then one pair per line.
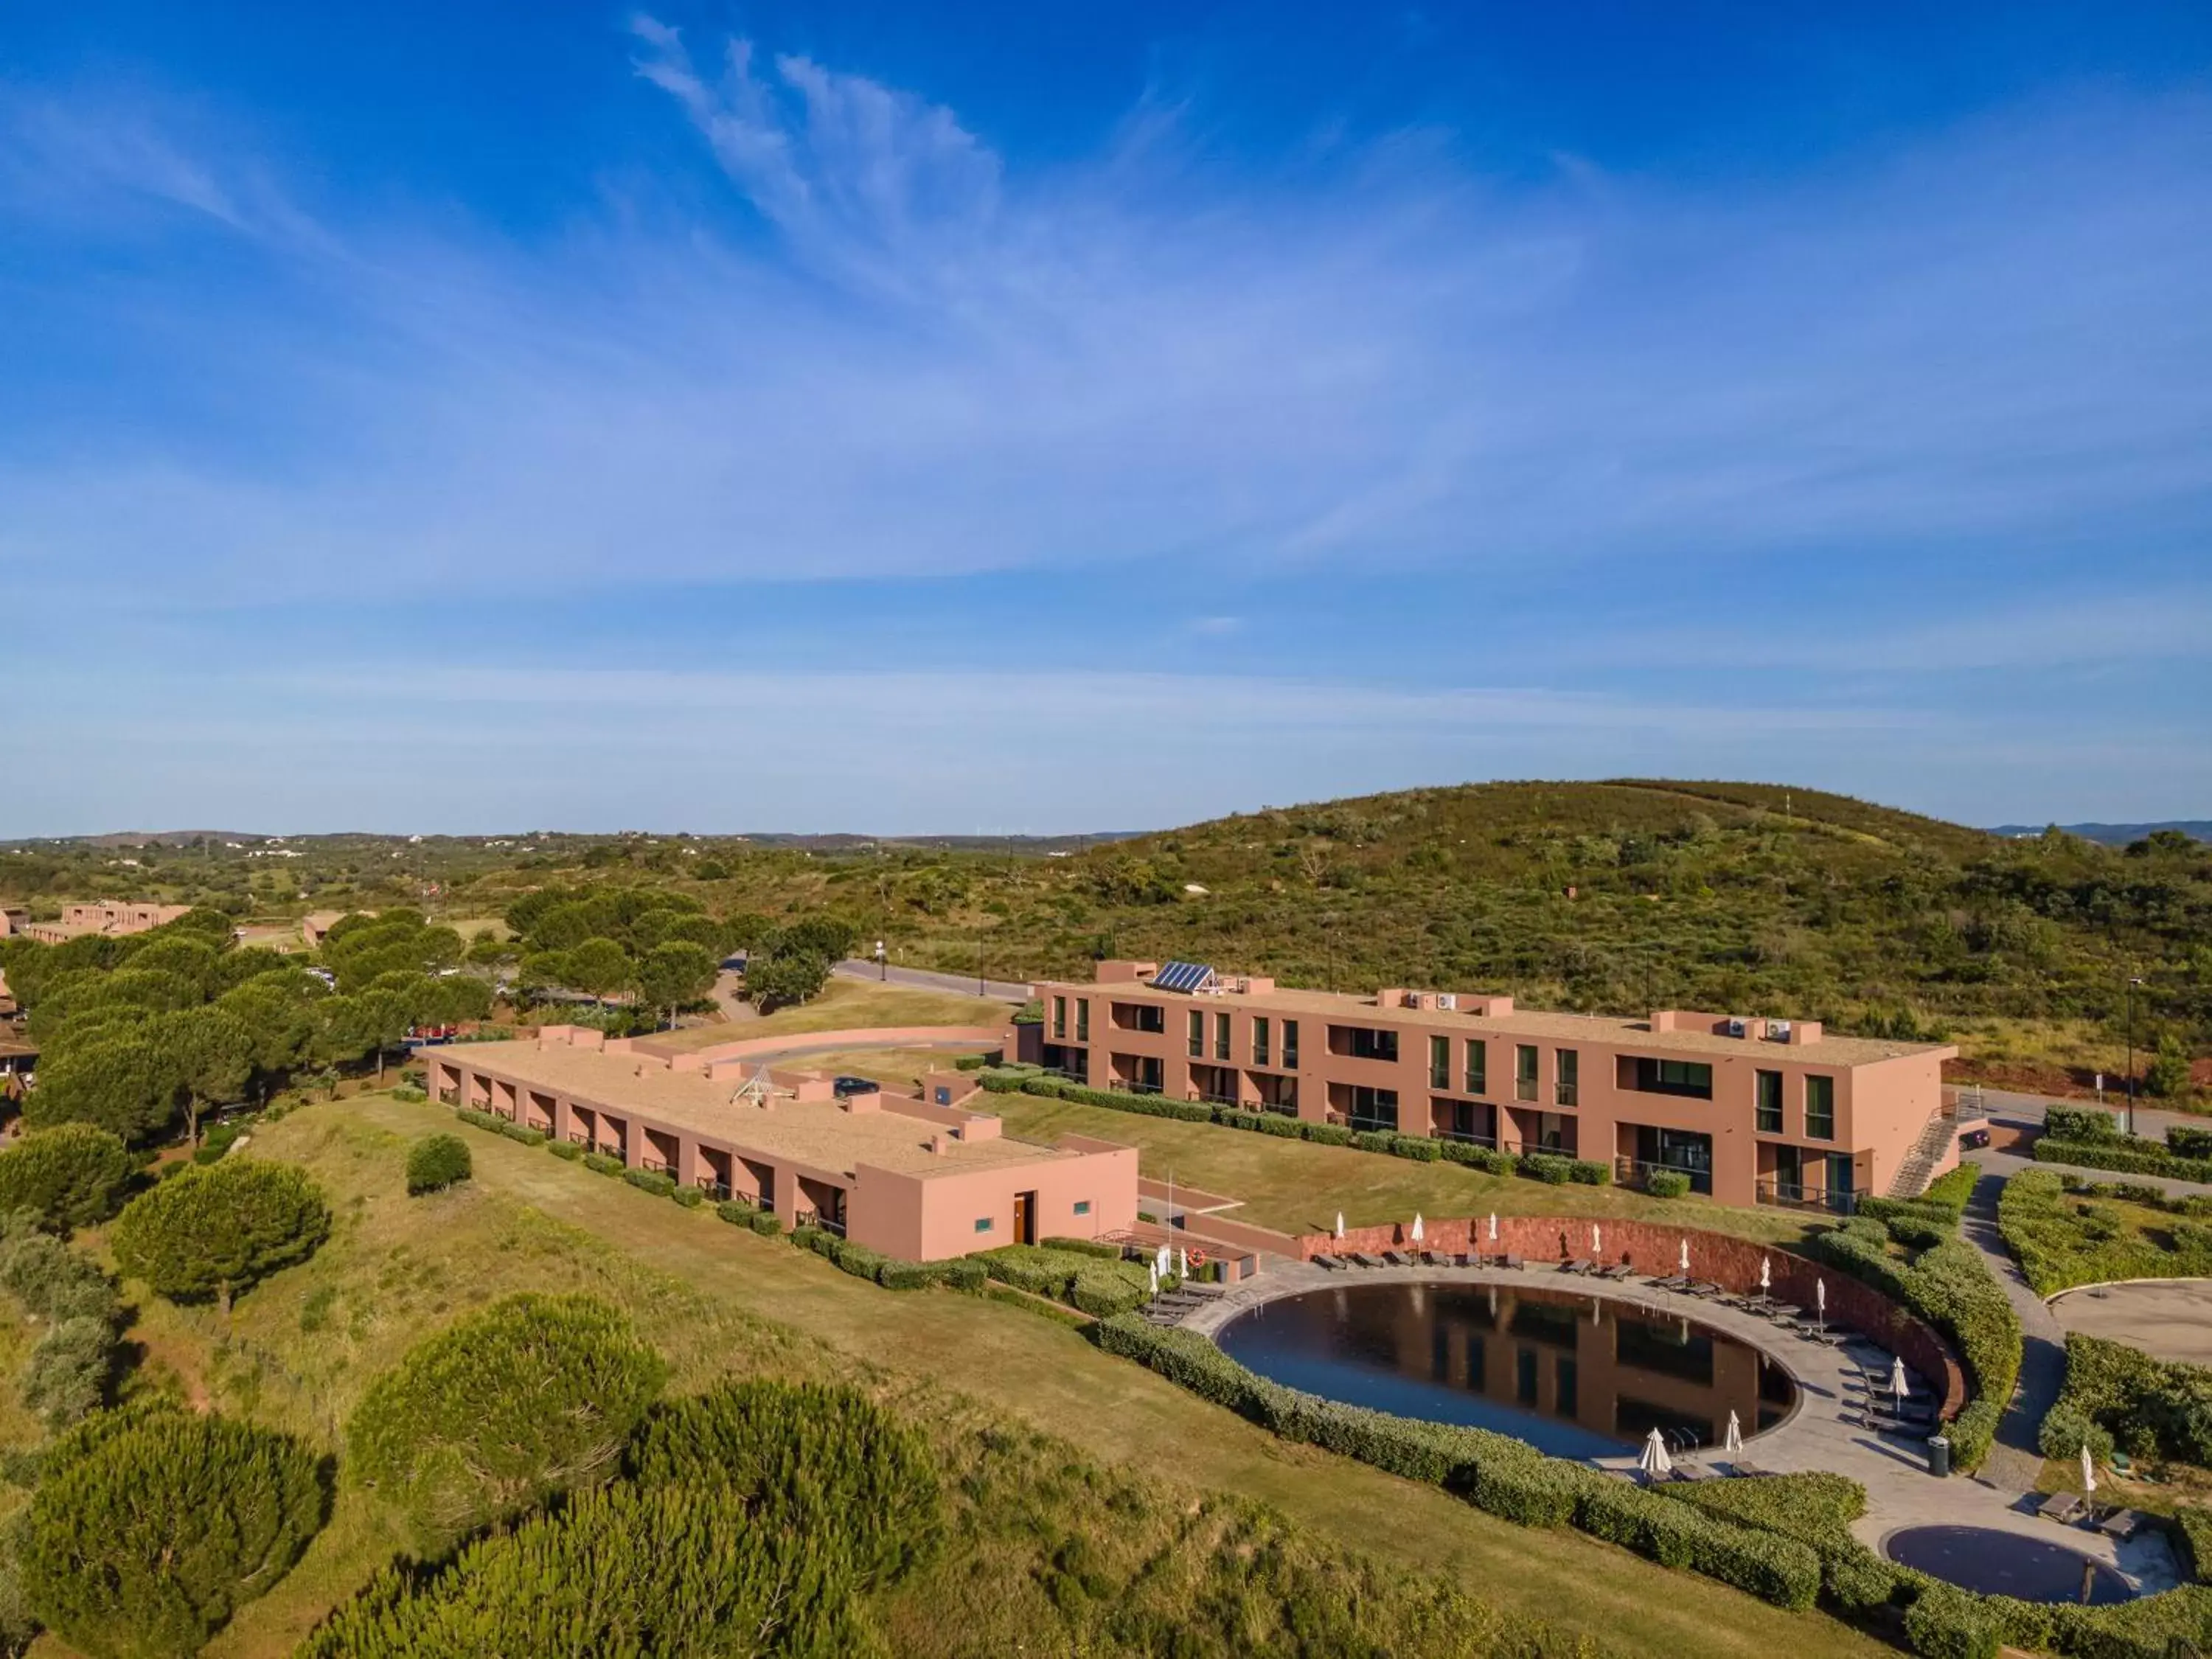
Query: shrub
x,y
766,1223
2066,1428
1951,1190
523,1133
148,1532
1949,1623
1091,1247
1774,1569
660,1183
2062,1239
823,1461
1422,1149
736,1212
1547,1167
2189,1140
1489,1159
1590,1172
475,1119
565,1149
859,1259
2136,1156
605,1164
1667,1183
73,1174
1328,1134
218,1231
690,1197
2192,1531
961,1273
2140,1401
1374,1140
2080,1123
907,1276
1102,1295
435,1163
532,1395
409,1093
667,1569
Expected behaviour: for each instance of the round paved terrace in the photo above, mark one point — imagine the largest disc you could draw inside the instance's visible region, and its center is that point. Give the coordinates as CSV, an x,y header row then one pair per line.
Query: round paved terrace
x,y
1900,1492
2166,1318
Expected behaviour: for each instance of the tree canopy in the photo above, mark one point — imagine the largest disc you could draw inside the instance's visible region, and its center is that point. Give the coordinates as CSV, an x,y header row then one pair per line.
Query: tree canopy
x,y
532,1395
150,1528
216,1229
72,1175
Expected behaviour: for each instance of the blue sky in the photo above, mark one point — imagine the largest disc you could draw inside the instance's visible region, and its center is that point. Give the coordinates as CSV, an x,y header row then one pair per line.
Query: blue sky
x,y
1018,417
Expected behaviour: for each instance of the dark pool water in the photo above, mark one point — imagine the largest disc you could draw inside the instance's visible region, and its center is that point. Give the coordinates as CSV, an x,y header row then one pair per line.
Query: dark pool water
x,y
1575,1375
2004,1564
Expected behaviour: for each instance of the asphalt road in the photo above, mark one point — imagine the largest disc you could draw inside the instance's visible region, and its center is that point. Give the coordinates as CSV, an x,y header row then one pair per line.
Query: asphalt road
x,y
993,990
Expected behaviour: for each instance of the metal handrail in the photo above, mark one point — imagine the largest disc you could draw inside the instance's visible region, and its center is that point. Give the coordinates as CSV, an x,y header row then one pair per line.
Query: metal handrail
x,y
1796,1195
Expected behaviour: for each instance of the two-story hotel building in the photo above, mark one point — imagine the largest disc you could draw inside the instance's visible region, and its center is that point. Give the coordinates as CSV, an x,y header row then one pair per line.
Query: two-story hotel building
x,y
1752,1111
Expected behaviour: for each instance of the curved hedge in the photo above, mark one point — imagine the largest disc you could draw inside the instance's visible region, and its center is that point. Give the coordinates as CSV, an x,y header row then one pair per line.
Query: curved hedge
x,y
2063,1239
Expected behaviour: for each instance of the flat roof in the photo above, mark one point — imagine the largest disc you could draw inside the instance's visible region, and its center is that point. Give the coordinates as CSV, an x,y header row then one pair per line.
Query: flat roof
x,y
1351,1008
819,1133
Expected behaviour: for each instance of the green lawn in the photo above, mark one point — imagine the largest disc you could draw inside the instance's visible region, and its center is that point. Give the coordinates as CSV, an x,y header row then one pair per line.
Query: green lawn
x,y
298,1351
1298,1187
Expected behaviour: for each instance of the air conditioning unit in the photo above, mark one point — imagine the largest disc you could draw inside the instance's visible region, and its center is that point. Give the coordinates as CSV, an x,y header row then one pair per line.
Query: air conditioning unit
x,y
1447,1001
1778,1029
1735,1028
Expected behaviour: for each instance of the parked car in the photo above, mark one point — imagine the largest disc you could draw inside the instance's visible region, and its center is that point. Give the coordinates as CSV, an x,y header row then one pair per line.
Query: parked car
x,y
856,1086
1974,1140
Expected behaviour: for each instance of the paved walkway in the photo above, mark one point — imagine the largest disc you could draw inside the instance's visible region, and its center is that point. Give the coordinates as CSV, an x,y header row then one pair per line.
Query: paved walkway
x,y
2014,1462
968,985
2171,1318
1893,1468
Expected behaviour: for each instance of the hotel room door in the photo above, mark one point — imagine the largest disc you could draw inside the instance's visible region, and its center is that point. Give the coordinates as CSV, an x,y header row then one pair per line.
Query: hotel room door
x,y
1026,1217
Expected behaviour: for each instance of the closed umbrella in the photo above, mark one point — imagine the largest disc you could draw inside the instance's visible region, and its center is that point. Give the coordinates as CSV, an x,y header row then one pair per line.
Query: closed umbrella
x,y
1597,1239
1162,1261
1152,1277
1900,1384
1765,1275
1655,1461
2088,1469
1339,1224
1685,1262
1417,1226
1493,1226
1735,1441
1821,1298
1182,1264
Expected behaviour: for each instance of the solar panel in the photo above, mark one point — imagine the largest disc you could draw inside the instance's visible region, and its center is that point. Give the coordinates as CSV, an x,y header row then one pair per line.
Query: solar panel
x,y
1183,976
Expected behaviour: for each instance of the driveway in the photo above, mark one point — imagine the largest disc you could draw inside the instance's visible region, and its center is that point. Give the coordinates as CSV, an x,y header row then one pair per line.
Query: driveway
x,y
993,990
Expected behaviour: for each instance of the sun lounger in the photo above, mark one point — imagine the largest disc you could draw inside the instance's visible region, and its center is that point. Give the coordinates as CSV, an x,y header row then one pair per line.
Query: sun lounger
x,y
1397,1258
1617,1271
2064,1507
1361,1259
2122,1524
1329,1263
1435,1259
1579,1265
1514,1262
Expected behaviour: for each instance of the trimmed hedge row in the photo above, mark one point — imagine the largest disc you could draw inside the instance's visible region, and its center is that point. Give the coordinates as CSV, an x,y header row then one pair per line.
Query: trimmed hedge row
x,y
1496,1473
2062,1238
1549,1167
500,1126
2152,1407
2137,1156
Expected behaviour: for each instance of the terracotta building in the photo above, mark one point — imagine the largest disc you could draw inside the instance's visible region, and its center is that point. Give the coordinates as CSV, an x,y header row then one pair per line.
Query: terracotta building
x,y
918,1177
1751,1110
105,917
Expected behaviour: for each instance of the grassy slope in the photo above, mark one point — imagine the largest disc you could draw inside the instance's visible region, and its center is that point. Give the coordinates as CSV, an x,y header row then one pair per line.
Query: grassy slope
x,y
1298,1187
300,1348
844,1003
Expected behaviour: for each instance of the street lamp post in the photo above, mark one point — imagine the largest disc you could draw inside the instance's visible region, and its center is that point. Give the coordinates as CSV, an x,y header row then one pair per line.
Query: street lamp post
x,y
2132,983
883,972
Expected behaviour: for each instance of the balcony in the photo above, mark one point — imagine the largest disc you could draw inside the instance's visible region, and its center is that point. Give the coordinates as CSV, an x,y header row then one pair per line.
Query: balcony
x,y
1796,1195
1636,1174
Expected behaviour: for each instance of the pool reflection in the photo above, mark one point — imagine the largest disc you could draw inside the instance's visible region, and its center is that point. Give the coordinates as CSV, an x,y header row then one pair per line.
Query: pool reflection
x,y
1578,1376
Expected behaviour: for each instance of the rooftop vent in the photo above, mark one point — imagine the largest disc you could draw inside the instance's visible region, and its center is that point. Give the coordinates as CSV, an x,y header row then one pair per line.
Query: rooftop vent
x,y
1778,1030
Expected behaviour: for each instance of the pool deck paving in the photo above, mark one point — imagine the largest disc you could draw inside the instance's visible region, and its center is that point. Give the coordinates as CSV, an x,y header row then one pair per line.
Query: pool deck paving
x,y
1815,1436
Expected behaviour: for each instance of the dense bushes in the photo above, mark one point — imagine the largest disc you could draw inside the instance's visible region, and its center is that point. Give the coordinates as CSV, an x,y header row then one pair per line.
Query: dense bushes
x,y
2077,1134
73,1174
216,1230
149,1527
1083,1280
68,1370
2062,1238
1667,1183
665,1569
435,1163
2151,1407
492,1123
823,1460
532,1395
1496,1473
766,1223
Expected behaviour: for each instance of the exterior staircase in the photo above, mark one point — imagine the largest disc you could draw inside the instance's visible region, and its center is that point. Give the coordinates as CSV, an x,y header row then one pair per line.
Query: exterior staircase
x,y
1919,1164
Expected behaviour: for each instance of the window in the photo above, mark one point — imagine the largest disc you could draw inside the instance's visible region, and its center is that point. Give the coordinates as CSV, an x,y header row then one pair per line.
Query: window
x,y
1524,1071
1291,1043
984,1224
1439,1062
1768,1087
1082,1019
1260,1039
1478,1067
1060,1016
1221,1036
1082,1206
1566,1076
1197,1034
1368,1043
1820,1108
1374,1108
1674,1077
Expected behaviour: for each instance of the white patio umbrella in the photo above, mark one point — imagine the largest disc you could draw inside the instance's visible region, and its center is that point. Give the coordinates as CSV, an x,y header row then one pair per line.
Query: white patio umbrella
x,y
1899,1384
1182,1264
1417,1226
1765,1275
1162,1262
1735,1441
1821,1298
1152,1277
1655,1461
1597,1239
1339,1224
1685,1259
2088,1469
1493,1226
